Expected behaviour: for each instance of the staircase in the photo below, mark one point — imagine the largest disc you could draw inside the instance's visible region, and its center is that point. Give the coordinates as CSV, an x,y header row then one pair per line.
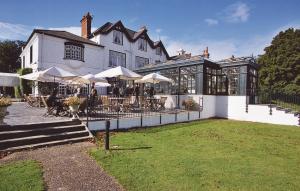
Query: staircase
x,y
20,137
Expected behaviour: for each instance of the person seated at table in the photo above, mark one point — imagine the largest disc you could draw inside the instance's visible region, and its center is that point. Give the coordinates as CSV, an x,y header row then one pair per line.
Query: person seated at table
x,y
93,97
116,91
52,101
137,93
127,91
151,92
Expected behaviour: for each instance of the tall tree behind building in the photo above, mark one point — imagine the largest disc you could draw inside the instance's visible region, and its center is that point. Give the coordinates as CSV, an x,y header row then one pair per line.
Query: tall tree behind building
x,y
9,55
280,65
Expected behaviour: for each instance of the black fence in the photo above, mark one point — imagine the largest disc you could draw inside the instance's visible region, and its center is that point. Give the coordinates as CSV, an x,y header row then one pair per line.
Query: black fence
x,y
275,99
109,107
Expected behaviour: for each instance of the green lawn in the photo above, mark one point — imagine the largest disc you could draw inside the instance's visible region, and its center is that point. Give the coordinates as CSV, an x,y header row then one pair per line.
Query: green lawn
x,y
206,155
21,176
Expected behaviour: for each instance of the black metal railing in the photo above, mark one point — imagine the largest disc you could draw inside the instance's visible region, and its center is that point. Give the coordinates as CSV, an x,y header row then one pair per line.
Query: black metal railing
x,y
282,101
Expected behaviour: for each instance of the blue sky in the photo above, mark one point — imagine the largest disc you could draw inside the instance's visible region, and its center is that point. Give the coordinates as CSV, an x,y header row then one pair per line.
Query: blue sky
x,y
227,27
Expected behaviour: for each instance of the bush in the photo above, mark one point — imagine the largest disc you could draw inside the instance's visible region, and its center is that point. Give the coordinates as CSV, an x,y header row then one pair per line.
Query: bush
x,y
189,104
25,85
4,102
72,101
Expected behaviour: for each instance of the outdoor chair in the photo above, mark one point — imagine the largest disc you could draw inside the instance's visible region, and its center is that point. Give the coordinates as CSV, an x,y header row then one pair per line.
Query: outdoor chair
x,y
49,109
126,106
162,103
105,103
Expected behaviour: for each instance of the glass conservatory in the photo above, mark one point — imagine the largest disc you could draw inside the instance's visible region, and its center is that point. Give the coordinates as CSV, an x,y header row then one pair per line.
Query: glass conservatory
x,y
198,75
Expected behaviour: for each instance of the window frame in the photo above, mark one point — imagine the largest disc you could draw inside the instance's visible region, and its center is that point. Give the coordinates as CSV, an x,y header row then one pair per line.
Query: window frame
x,y
139,57
115,32
120,53
76,51
140,40
31,54
160,51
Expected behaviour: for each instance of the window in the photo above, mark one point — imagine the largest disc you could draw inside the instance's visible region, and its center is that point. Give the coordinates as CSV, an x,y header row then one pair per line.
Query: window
x,y
74,51
142,44
157,61
140,62
31,54
118,37
23,61
117,59
158,51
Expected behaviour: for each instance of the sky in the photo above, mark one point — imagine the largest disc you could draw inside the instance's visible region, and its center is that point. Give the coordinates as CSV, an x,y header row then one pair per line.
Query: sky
x,y
227,27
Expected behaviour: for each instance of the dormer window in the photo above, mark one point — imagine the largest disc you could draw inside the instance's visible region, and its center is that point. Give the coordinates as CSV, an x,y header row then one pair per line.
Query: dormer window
x,y
142,44
118,37
158,51
74,51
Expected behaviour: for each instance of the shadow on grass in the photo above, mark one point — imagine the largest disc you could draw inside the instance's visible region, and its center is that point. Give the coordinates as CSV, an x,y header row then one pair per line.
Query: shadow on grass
x,y
130,149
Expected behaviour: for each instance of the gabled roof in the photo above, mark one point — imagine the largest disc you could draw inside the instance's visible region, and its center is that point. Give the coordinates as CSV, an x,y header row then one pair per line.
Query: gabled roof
x,y
64,35
131,35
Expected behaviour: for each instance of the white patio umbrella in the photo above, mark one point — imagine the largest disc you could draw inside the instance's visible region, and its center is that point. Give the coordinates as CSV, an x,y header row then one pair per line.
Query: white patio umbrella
x,y
9,79
154,78
55,74
119,72
87,79
102,84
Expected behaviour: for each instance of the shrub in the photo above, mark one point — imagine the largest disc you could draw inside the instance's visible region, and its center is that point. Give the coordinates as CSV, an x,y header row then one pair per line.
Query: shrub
x,y
4,102
25,85
72,101
189,104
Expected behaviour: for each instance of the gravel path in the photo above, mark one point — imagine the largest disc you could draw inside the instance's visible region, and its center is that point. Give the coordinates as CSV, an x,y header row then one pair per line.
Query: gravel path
x,y
68,167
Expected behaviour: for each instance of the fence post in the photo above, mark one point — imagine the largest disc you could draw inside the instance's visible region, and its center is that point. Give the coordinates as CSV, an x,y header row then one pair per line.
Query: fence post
x,y
141,116
188,115
299,118
107,126
118,110
247,102
175,115
159,117
270,102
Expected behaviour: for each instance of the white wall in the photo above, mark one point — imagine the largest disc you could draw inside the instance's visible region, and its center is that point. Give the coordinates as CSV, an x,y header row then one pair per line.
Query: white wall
x,y
234,107
129,48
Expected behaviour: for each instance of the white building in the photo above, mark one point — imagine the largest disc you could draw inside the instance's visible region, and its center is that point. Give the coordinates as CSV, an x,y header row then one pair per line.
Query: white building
x,y
109,46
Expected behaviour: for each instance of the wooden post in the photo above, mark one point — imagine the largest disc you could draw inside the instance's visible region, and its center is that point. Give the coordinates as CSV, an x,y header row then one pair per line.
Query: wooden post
x,y
107,126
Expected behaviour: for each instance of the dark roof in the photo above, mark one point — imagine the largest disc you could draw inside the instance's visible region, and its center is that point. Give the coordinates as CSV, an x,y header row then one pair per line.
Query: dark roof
x,y
235,61
64,35
131,35
194,60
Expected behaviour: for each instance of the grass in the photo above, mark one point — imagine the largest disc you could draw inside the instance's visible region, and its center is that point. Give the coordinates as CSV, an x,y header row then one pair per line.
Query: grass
x,y
206,155
23,176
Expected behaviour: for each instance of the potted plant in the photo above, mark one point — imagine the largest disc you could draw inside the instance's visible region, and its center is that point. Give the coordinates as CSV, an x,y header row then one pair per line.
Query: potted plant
x,y
189,104
4,103
73,103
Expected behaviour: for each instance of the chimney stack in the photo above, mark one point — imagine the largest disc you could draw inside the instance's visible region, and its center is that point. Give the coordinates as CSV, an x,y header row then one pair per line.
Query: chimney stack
x,y
86,25
205,53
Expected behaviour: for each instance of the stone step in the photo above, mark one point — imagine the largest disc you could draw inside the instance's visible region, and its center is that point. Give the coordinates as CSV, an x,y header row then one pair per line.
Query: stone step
x,y
5,144
39,131
39,125
46,144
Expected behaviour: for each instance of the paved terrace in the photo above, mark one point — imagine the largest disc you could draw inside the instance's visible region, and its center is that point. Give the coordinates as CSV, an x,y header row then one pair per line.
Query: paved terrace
x,y
21,113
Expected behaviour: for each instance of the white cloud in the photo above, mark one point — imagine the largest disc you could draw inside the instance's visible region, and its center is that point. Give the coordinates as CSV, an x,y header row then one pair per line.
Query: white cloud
x,y
158,30
220,49
237,12
14,31
211,22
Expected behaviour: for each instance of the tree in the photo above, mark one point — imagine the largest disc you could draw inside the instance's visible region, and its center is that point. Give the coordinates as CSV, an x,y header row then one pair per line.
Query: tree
x,y
9,60
280,65
9,55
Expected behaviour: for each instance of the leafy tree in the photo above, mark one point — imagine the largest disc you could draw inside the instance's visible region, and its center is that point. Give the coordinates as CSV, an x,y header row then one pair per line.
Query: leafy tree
x,y
9,55
9,60
280,65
